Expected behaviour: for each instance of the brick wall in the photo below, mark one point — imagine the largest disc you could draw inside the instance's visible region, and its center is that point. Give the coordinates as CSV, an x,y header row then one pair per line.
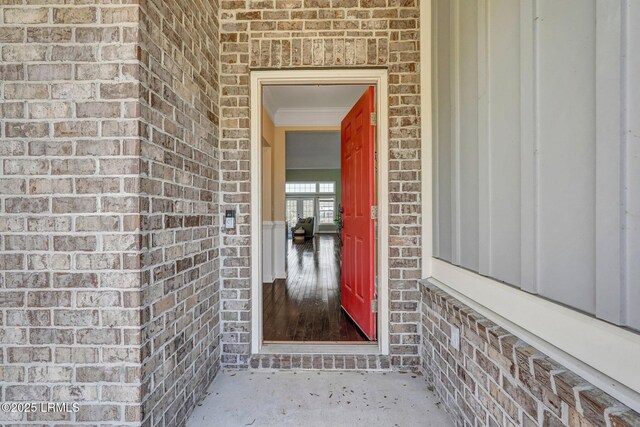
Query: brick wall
x,y
496,379
321,33
180,221
108,208
69,314
112,180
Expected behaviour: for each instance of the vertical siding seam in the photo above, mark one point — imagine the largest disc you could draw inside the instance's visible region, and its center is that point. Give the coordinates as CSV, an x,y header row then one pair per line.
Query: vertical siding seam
x,y
484,139
624,141
455,130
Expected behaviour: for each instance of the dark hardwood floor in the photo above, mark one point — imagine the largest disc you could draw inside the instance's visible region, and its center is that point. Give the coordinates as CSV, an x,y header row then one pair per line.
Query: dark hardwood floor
x,y
306,306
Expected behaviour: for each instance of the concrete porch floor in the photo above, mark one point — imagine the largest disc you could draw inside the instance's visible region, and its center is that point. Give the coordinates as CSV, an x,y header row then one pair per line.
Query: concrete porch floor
x,y
311,398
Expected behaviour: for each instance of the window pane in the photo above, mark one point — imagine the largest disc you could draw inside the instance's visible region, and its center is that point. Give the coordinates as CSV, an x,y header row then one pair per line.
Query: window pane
x,y
326,208
307,208
300,187
327,187
292,212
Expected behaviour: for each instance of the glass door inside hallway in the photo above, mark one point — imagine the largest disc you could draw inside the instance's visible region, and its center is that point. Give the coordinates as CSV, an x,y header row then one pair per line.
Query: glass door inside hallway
x,y
299,207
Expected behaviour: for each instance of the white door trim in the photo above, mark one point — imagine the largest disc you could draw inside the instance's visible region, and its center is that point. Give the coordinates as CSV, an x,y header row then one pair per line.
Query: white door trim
x,y
426,131
377,77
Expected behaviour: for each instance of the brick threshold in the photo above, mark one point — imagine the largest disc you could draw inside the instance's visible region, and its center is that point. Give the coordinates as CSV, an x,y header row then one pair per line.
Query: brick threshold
x,y
341,362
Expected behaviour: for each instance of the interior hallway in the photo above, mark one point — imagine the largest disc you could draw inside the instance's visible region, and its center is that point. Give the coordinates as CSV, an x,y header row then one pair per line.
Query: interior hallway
x,y
290,398
306,306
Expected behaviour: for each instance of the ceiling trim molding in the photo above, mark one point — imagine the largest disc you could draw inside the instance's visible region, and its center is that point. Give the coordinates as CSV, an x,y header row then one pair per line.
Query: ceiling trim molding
x,y
267,103
328,116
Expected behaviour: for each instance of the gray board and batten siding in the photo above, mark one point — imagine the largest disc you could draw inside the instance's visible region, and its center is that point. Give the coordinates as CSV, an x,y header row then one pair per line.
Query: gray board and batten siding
x,y
537,148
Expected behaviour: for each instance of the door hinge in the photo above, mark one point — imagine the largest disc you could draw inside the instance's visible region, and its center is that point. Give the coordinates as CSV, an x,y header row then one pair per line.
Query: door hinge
x,y
374,306
374,120
374,212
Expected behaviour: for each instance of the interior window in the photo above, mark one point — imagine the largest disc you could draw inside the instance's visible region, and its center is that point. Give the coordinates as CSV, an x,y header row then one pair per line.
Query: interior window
x,y
307,208
303,203
327,187
326,208
300,187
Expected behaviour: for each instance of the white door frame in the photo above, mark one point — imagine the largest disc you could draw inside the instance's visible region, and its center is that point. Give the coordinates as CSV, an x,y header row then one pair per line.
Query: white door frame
x,y
377,77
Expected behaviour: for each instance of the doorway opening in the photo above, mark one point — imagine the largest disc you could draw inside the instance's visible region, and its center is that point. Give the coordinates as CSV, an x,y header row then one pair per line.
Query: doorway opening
x,y
316,180
306,305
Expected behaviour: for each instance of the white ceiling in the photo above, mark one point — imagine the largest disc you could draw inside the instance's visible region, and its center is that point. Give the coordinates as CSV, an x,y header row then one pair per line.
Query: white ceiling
x,y
313,150
316,105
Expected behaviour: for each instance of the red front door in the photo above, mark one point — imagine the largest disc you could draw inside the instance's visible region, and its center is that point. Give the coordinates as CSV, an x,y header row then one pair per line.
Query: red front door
x,y
358,197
